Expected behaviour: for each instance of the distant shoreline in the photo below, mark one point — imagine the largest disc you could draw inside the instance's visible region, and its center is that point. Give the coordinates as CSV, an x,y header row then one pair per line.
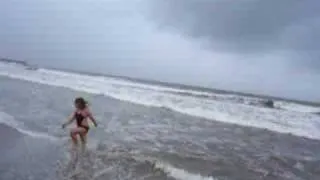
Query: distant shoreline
x,y
169,85
7,60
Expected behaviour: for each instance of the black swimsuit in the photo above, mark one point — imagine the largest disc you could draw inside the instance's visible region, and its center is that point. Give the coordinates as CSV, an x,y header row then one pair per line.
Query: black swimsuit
x,y
79,117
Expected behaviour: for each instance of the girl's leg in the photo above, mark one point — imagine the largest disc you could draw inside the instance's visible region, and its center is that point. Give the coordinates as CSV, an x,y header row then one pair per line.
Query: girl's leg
x,y
74,132
83,137
73,135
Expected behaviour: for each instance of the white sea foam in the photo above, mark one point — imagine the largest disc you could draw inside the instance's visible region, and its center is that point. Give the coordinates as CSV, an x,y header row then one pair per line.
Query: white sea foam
x,y
297,122
168,169
180,174
296,107
10,121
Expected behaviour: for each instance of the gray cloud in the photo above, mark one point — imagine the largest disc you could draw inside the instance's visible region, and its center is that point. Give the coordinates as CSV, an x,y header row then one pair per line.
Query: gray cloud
x,y
227,44
246,26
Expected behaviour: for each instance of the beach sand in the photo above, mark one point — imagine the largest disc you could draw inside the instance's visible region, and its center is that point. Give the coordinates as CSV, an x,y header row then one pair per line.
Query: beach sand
x,y
25,157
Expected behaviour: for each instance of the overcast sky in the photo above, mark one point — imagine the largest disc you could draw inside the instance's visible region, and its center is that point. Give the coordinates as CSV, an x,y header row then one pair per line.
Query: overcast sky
x,y
260,46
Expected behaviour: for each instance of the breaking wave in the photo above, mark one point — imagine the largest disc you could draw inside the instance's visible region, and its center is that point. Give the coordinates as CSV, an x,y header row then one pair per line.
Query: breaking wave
x,y
289,118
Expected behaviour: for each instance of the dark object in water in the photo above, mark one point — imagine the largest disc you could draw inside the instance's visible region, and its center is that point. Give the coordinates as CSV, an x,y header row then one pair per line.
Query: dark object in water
x,y
269,104
31,68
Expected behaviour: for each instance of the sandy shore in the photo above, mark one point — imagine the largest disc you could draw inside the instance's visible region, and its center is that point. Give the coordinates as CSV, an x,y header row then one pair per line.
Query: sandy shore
x,y
24,157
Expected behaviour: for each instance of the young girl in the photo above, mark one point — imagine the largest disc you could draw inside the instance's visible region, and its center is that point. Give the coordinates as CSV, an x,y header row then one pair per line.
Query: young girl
x,y
81,115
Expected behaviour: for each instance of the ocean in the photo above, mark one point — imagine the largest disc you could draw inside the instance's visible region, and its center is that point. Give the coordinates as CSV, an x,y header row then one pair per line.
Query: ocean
x,y
150,131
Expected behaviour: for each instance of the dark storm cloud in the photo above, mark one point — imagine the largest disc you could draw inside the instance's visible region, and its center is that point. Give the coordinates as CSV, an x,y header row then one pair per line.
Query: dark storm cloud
x,y
225,44
246,26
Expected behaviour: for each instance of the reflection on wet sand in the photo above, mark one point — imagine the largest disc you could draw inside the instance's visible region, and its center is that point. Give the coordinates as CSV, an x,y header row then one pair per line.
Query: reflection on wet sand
x,y
78,165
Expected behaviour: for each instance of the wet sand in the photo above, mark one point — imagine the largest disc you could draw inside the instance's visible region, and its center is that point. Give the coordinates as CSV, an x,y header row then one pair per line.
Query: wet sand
x,y
26,158
9,137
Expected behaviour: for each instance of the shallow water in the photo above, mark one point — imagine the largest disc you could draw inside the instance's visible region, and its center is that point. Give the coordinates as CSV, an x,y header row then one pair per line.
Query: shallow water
x,y
142,142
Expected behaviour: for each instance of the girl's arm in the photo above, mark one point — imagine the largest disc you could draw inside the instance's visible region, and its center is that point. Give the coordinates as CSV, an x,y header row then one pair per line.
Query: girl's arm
x,y
69,121
92,118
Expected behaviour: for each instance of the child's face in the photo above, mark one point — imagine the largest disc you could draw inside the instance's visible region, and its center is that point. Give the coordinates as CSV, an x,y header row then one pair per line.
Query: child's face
x,y
77,105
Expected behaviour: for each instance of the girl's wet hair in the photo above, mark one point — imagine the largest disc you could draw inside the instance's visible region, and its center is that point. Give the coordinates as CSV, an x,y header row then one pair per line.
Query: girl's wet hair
x,y
82,104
